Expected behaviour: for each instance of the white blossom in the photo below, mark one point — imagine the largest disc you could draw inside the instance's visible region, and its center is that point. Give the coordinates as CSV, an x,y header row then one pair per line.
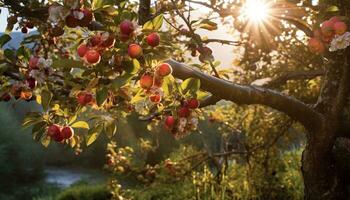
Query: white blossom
x,y
340,42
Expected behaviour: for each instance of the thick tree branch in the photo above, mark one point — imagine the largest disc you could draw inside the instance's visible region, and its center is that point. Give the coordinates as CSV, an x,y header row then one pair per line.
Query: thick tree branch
x,y
242,94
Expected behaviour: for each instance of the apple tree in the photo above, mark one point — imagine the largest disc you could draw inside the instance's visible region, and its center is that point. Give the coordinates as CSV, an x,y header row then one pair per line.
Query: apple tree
x,y
91,63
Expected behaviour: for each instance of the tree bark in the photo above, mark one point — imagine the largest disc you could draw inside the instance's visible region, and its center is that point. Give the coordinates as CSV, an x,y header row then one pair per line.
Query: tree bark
x,y
323,177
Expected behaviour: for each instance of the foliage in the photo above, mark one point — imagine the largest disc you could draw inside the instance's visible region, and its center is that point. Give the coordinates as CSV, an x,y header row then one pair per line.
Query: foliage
x,y
85,192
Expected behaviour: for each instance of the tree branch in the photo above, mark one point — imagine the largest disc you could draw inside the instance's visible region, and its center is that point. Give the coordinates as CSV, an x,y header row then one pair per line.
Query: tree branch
x,y
297,75
243,94
144,11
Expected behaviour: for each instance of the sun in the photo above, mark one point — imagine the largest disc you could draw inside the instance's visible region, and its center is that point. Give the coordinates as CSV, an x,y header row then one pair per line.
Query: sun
x,y
255,11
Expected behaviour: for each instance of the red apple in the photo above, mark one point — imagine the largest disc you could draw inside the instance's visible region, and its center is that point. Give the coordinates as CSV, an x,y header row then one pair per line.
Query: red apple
x,y
155,98
164,69
26,95
57,31
92,56
135,51
153,39
67,132
31,83
109,42
33,62
126,27
183,112
316,46
84,98
158,81
24,30
71,21
96,40
29,25
54,130
86,20
82,49
192,103
16,91
6,97
340,28
169,121
124,38
335,19
327,28
146,81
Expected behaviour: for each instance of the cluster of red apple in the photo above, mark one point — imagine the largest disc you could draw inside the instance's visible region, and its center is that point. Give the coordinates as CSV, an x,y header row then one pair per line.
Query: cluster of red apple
x,y
23,90
26,26
185,119
91,52
85,98
79,17
59,134
152,82
323,36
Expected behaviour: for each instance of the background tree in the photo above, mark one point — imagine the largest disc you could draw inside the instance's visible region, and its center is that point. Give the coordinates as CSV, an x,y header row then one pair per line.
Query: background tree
x,y
90,63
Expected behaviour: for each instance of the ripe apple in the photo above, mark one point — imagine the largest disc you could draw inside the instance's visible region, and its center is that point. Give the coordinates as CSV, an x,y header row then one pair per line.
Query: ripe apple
x,y
57,31
82,49
316,46
135,51
126,27
24,30
84,98
124,38
92,56
16,91
335,19
192,103
158,81
26,95
71,21
109,42
327,28
146,81
67,132
6,97
155,98
340,28
96,40
153,39
164,69
169,121
31,83
183,112
33,62
54,130
88,15
29,25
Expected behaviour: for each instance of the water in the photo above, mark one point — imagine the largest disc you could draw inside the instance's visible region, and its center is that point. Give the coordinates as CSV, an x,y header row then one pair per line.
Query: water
x,y
65,177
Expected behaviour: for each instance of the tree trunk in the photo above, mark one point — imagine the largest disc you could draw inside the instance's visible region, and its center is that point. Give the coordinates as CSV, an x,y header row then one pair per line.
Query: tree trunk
x,y
322,178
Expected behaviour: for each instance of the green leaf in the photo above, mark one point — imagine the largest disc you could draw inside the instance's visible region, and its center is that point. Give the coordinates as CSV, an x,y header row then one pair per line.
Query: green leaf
x,y
332,9
157,22
121,81
101,96
4,39
80,124
45,141
208,25
72,119
67,63
46,97
110,129
93,134
190,85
